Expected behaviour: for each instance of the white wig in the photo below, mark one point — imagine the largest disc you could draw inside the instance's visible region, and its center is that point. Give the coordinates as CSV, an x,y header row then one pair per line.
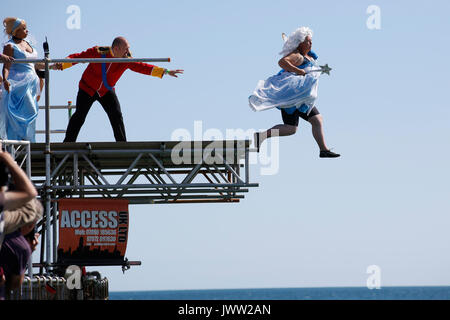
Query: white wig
x,y
296,37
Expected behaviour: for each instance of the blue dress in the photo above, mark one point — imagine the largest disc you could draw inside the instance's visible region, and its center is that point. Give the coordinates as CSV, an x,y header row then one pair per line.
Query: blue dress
x,y
288,90
19,107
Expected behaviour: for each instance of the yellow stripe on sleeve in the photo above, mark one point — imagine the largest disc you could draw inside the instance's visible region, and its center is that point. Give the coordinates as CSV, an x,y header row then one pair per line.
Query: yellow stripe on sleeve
x,y
157,72
66,65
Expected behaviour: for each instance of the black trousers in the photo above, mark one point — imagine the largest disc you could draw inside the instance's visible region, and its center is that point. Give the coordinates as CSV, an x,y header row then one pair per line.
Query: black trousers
x,y
110,104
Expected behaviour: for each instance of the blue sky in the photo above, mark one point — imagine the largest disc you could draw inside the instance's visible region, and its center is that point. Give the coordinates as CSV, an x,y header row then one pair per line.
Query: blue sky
x,y
317,222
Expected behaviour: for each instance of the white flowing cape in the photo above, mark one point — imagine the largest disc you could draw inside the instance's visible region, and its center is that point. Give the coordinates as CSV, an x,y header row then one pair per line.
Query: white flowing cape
x,y
286,90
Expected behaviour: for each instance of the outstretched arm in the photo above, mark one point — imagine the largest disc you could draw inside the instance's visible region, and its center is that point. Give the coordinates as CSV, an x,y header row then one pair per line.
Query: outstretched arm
x,y
152,70
89,53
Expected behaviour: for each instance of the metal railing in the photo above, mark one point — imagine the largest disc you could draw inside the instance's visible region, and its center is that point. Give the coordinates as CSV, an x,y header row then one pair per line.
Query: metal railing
x,y
40,288
16,148
55,288
69,106
92,60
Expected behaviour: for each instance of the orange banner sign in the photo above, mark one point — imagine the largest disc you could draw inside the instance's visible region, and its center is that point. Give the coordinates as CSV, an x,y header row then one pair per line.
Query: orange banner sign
x,y
92,230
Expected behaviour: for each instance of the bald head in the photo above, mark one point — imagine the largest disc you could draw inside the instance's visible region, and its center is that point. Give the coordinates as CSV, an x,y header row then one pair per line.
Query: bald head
x,y
120,47
119,41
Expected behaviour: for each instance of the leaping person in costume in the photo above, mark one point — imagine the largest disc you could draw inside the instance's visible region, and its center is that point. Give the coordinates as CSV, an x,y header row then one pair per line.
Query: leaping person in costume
x,y
97,84
294,91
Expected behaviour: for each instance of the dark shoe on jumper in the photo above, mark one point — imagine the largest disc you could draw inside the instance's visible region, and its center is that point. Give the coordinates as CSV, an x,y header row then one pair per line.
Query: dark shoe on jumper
x,y
328,154
257,144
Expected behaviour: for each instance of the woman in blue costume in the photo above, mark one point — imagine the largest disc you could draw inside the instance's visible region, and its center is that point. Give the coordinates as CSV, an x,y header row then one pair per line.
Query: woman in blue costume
x,y
294,91
21,86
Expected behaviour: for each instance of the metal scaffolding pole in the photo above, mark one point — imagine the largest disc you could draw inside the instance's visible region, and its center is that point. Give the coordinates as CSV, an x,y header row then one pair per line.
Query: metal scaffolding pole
x,y
92,60
47,154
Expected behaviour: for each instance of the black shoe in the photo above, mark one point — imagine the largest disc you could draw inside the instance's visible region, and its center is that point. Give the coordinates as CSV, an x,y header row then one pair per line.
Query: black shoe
x,y
328,154
257,145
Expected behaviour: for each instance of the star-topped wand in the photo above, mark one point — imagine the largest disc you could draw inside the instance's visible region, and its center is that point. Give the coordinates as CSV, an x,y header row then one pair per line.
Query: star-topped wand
x,y
324,69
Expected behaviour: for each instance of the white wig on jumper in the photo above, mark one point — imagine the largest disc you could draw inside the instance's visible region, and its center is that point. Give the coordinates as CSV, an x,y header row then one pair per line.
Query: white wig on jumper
x,y
296,37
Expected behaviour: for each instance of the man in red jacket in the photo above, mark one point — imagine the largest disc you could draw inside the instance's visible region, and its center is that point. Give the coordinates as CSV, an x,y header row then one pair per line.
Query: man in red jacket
x,y
97,84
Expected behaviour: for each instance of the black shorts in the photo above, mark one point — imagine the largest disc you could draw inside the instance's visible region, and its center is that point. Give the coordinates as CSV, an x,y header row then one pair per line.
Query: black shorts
x,y
292,119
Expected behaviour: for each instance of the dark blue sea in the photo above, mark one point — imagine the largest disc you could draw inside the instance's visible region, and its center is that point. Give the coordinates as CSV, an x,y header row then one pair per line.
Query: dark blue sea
x,y
341,293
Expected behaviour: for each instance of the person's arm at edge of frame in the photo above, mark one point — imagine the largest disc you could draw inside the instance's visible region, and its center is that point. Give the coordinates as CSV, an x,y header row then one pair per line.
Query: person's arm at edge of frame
x,y
7,51
5,58
25,190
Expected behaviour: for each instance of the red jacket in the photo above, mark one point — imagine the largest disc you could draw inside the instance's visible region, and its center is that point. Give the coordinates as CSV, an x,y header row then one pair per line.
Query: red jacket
x,y
92,80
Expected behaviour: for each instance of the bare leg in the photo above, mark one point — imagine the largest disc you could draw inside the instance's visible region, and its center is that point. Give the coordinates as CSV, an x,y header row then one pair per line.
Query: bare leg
x,y
275,131
317,131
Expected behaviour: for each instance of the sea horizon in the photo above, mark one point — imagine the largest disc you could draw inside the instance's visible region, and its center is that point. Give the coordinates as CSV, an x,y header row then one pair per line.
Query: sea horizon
x,y
291,293
263,288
